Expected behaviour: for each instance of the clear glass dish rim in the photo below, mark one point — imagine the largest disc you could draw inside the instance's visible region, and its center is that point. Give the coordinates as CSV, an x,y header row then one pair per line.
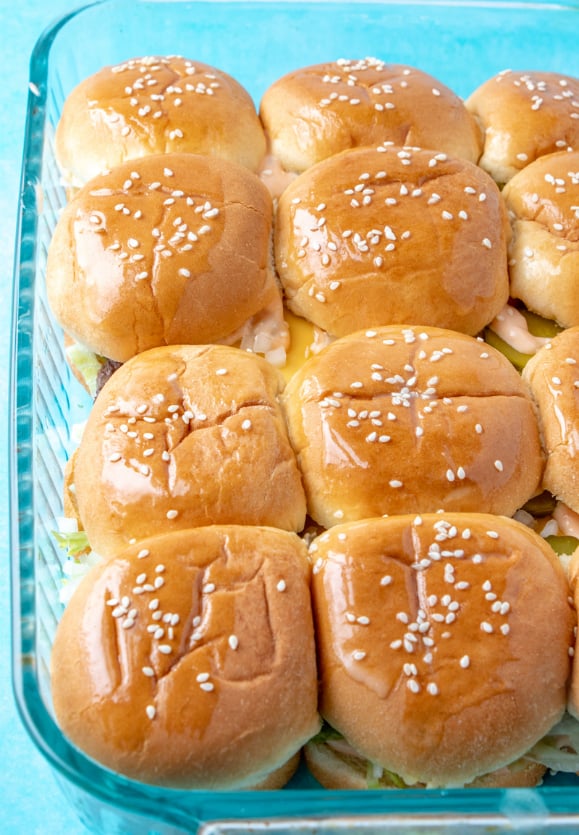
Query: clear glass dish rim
x,y
481,805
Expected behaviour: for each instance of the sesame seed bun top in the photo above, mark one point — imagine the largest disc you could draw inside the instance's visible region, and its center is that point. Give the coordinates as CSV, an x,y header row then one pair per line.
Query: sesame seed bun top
x,y
543,205
168,249
188,660
151,105
404,420
317,111
553,376
185,436
443,641
391,235
524,115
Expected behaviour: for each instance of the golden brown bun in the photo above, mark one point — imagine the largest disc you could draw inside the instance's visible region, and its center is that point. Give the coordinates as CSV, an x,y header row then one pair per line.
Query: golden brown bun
x,y
378,236
543,202
317,111
404,420
335,770
277,778
156,105
439,658
185,436
213,629
553,377
168,249
525,115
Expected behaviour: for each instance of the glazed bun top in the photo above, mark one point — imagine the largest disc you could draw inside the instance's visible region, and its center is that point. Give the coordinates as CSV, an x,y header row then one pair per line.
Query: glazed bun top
x,y
156,105
389,235
443,641
317,111
524,115
543,204
168,249
188,661
553,376
404,420
185,436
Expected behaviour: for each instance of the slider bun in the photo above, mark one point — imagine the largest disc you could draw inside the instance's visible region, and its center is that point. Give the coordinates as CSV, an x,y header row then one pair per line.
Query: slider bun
x,y
227,715
315,112
168,249
390,235
524,115
543,202
443,642
401,420
553,377
186,436
156,105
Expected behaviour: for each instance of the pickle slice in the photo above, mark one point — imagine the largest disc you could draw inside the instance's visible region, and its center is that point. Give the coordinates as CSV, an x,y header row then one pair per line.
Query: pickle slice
x,y
515,357
563,545
539,326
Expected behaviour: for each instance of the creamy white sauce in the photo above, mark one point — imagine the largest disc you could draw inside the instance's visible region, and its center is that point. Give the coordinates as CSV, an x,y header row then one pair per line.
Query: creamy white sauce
x,y
511,326
567,520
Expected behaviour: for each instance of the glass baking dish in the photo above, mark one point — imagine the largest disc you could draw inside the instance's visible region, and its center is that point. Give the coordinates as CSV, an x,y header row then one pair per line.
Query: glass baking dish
x,y
461,43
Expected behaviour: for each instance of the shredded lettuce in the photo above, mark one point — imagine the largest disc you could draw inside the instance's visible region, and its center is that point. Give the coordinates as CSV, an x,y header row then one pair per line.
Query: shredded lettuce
x,y
559,749
380,778
325,733
75,542
376,776
86,363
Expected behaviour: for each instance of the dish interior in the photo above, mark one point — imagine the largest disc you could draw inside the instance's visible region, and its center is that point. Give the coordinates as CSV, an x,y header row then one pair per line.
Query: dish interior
x,y
461,44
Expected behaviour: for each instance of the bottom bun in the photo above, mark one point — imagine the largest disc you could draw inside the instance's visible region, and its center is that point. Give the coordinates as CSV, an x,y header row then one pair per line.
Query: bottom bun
x,y
277,778
337,766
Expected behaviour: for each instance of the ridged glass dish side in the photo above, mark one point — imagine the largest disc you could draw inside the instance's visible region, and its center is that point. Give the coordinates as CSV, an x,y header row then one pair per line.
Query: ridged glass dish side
x,y
460,44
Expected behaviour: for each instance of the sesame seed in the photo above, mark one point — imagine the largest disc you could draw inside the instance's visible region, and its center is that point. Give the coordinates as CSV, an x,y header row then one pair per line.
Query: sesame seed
x,y
386,580
432,688
208,588
172,514
281,586
151,711
208,686
487,243
464,662
358,655
233,641
165,649
413,685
